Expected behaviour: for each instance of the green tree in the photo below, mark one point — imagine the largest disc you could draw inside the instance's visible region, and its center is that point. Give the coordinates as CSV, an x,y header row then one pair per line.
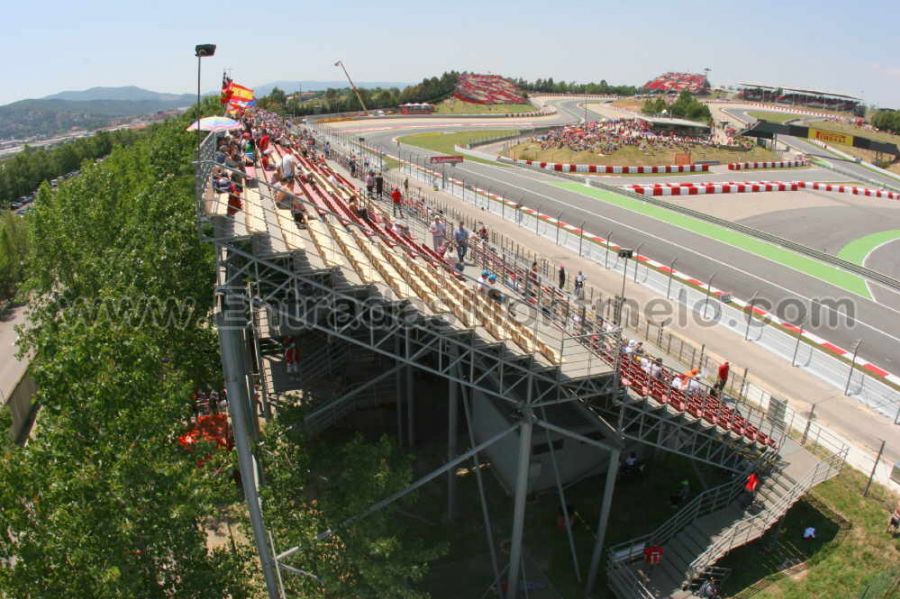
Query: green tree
x,y
314,487
103,502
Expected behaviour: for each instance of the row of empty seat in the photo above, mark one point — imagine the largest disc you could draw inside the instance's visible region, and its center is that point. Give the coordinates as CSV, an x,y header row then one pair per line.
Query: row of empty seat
x,y
376,255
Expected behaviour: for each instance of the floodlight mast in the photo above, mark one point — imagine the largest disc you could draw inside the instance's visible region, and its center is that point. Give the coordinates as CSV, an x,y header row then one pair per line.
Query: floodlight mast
x,y
340,63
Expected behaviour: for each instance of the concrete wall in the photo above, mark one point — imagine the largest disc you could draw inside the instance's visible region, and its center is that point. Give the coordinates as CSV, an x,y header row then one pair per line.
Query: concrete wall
x,y
574,459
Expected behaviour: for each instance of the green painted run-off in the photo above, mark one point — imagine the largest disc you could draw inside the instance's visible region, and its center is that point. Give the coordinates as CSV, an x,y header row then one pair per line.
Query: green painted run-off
x,y
809,266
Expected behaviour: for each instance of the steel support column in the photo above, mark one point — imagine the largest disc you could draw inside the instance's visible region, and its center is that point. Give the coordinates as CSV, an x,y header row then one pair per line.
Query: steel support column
x,y
231,345
600,537
452,435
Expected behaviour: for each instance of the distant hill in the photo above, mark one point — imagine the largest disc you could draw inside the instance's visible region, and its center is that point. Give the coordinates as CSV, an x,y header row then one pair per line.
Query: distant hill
x,y
88,109
129,93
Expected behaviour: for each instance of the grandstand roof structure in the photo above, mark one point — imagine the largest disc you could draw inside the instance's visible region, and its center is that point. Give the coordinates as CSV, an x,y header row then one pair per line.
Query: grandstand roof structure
x,y
797,91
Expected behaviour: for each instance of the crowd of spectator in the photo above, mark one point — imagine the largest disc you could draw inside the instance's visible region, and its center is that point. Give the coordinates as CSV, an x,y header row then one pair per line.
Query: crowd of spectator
x,y
487,89
605,137
678,82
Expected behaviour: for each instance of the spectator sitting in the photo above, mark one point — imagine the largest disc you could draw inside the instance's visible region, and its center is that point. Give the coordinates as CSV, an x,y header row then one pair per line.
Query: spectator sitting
x,y
681,495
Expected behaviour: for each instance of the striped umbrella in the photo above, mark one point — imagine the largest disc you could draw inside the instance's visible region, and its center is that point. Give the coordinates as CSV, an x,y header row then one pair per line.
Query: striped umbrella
x,y
215,123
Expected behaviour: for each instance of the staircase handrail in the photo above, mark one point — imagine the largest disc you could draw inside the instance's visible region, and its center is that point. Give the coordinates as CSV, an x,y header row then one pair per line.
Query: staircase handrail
x,y
761,522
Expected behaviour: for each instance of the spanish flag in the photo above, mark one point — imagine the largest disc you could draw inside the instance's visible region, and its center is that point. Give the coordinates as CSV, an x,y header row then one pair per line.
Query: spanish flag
x,y
239,92
234,92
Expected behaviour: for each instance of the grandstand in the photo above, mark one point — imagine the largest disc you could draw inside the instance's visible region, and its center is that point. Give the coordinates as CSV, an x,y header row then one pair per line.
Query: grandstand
x,y
340,307
760,92
671,82
487,89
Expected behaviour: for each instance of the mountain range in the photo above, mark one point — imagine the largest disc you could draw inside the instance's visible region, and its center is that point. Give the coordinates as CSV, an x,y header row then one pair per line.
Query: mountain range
x,y
100,106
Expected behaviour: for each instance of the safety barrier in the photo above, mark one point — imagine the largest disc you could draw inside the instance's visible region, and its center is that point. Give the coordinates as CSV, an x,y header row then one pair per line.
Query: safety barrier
x,y
618,170
744,166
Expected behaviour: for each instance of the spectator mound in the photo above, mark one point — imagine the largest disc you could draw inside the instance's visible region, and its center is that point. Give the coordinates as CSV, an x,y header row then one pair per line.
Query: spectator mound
x,y
487,89
633,142
695,83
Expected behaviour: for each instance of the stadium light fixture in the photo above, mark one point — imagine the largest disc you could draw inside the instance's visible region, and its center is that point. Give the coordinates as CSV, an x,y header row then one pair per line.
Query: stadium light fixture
x,y
201,51
626,254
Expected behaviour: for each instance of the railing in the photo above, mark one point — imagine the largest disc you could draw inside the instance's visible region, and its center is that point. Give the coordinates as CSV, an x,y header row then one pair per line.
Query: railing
x,y
753,527
705,503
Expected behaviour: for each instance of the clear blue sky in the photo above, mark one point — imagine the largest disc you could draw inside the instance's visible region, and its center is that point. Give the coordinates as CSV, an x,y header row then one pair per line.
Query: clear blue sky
x,y
54,45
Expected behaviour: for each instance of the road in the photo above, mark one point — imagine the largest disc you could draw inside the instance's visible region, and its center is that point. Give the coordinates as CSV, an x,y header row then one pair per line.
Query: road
x,y
877,326
11,369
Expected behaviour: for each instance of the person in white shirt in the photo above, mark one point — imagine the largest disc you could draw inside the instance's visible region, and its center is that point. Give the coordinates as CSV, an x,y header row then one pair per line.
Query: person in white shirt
x,y
693,387
438,232
645,364
287,165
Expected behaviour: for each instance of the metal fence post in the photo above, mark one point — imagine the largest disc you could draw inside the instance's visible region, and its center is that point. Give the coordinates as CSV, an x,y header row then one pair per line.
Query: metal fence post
x,y
852,367
606,256
809,421
874,467
797,345
671,273
750,315
580,237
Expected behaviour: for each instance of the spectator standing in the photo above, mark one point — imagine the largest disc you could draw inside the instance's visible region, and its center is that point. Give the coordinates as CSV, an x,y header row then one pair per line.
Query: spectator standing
x,y
287,166
370,183
724,368
562,276
406,186
379,185
396,201
461,239
579,285
438,232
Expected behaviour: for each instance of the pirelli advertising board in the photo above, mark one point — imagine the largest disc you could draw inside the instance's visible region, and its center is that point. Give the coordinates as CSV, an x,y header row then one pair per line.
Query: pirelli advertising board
x,y
831,137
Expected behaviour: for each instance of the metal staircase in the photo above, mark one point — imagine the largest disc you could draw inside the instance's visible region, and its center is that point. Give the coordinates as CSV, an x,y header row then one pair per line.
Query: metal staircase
x,y
712,524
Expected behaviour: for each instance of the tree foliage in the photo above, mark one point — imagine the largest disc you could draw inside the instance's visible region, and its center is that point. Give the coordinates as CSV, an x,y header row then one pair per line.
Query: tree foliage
x,y
550,86
686,106
13,251
23,172
103,502
887,120
313,487
433,89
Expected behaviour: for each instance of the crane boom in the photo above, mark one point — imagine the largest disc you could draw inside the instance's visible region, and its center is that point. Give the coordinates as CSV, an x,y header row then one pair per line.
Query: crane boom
x,y
340,63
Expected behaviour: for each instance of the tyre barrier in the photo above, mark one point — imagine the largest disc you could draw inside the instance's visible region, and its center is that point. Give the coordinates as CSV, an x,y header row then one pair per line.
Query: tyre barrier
x,y
745,166
617,170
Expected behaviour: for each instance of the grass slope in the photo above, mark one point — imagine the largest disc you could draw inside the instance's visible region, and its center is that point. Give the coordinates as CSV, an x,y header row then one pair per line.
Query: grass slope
x,y
444,142
775,117
864,558
785,257
455,106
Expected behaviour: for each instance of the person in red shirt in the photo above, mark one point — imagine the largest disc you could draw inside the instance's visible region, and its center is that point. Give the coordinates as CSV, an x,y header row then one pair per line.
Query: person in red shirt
x,y
263,146
396,199
724,368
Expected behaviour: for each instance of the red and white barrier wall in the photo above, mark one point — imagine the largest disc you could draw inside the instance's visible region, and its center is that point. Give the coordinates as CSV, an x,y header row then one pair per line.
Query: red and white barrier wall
x,y
744,166
692,189
616,170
